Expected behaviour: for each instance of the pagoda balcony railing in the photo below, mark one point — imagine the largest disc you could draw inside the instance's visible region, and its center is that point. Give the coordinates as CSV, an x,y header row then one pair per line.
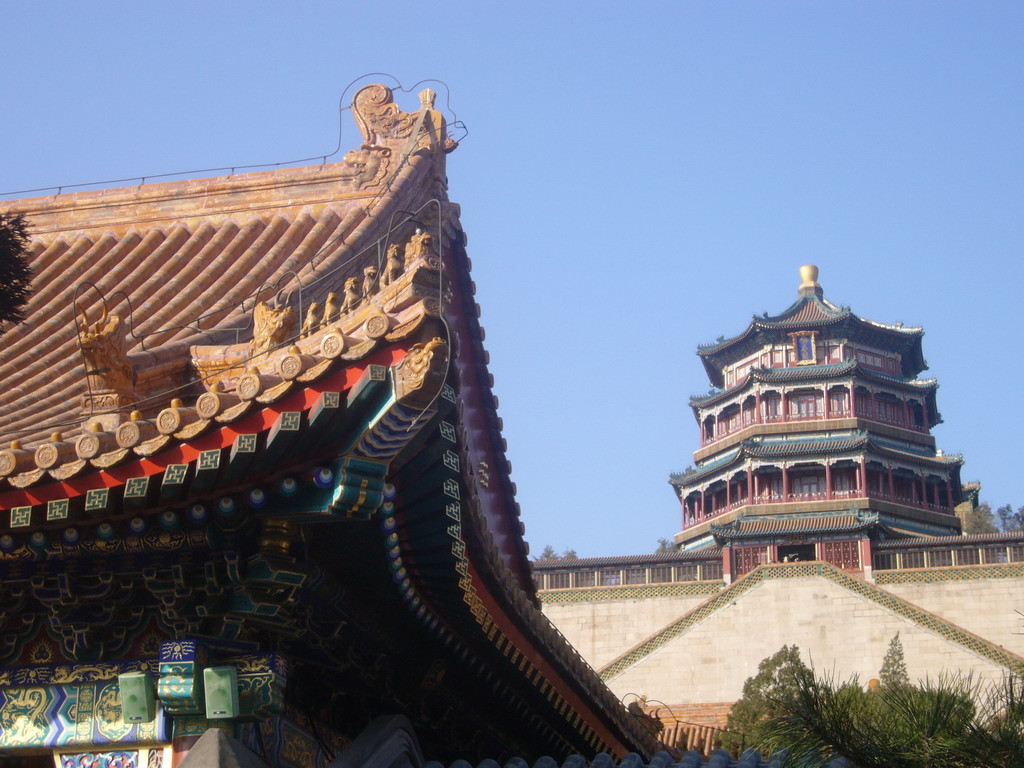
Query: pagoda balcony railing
x,y
691,518
725,429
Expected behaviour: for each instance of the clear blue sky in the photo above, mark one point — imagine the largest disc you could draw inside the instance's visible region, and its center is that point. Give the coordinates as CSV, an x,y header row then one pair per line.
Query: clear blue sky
x,y
637,179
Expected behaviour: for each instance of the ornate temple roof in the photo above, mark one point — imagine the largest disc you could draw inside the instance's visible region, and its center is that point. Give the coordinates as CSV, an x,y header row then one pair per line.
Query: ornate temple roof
x,y
858,441
967,540
280,378
813,373
812,311
760,527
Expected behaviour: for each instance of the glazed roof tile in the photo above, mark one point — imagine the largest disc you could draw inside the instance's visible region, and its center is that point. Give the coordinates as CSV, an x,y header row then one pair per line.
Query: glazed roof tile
x,y
766,526
182,263
1002,537
854,440
810,373
756,447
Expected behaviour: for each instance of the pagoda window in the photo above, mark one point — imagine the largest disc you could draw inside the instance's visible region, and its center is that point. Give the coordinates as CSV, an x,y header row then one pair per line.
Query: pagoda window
x,y
772,405
709,429
916,415
940,557
558,580
1016,553
610,578
769,486
686,572
842,481
885,561
871,360
661,574
711,571
748,558
805,405
888,409
995,554
967,557
837,402
635,576
842,554
583,579
808,485
749,411
913,559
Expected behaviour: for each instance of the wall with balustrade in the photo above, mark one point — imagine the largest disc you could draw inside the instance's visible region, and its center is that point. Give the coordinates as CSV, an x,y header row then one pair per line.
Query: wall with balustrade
x,y
696,642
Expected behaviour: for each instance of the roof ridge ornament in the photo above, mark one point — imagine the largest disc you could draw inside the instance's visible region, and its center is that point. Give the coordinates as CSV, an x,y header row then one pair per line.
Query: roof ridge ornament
x,y
380,120
809,285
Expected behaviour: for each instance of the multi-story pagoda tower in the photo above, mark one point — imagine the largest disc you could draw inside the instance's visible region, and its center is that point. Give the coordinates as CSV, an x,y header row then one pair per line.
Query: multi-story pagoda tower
x,y
815,439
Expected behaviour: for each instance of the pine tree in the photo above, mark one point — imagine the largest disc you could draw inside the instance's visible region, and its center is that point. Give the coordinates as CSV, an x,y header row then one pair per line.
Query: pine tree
x,y
767,694
894,666
15,275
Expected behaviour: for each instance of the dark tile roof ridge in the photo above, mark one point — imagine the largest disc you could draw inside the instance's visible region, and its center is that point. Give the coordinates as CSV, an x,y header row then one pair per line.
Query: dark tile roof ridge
x,y
766,526
625,560
881,445
964,540
826,312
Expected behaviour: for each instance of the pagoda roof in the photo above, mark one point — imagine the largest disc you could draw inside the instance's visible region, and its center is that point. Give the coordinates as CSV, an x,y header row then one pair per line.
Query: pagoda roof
x,y
969,539
760,527
813,373
759,447
275,377
813,312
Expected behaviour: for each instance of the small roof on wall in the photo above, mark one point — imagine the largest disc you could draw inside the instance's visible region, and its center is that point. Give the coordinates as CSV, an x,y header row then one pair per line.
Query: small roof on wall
x,y
813,312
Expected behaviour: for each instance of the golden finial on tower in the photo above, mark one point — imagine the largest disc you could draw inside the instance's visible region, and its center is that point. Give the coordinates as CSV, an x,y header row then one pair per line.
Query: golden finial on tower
x,y
809,277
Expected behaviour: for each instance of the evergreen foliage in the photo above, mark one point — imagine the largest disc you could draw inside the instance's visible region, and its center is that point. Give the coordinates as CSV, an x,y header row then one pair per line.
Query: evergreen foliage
x,y
15,275
894,665
979,519
768,694
665,545
950,722
549,553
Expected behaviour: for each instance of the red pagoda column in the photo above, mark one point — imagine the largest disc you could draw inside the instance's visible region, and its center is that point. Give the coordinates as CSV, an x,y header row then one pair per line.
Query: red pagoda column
x,y
924,491
862,476
828,479
785,483
949,495
853,402
906,413
750,485
757,407
924,415
824,402
892,485
728,492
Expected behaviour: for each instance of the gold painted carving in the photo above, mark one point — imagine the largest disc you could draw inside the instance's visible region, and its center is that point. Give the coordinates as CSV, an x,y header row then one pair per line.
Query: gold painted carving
x,y
271,327
312,321
330,310
104,345
352,295
378,117
369,281
366,166
395,265
421,246
419,376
